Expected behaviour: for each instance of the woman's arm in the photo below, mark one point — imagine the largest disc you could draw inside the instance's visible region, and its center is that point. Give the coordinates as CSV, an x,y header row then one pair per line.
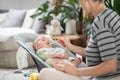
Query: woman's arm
x,y
76,49
101,69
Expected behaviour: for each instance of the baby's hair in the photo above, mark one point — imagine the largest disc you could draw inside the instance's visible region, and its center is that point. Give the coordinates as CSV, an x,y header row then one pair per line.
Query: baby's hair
x,y
35,42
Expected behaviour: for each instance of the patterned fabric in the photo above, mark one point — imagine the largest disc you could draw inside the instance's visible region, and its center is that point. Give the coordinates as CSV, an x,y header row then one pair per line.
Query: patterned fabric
x,y
51,50
105,40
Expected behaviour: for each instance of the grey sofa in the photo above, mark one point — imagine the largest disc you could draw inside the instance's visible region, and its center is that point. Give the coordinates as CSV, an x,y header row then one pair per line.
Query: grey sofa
x,y
9,49
12,23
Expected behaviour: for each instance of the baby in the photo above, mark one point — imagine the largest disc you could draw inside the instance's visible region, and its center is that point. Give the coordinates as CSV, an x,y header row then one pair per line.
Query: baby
x,y
49,54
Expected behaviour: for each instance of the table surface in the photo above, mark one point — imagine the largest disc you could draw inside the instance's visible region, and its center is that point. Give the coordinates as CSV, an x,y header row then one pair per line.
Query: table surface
x,y
71,37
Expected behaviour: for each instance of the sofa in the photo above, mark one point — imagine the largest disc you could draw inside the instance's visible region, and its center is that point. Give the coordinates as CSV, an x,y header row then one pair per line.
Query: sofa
x,y
13,22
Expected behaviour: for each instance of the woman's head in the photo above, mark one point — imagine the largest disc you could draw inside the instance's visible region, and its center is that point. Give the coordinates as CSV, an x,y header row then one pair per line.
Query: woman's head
x,y
90,6
41,42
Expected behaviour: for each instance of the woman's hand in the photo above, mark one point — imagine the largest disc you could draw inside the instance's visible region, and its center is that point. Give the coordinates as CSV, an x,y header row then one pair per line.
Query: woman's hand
x,y
77,61
66,67
65,42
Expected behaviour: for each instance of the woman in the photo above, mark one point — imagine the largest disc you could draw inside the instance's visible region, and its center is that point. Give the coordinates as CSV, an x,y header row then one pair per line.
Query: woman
x,y
102,51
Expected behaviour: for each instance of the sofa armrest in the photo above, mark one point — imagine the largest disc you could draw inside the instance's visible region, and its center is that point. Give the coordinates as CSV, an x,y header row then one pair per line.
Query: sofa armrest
x,y
2,17
7,37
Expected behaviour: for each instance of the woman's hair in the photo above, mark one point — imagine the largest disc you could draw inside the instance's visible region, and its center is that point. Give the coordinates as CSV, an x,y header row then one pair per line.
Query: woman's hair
x,y
35,43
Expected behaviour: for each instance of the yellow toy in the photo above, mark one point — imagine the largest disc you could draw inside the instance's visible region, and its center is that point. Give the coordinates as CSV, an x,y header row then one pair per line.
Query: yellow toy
x,y
34,76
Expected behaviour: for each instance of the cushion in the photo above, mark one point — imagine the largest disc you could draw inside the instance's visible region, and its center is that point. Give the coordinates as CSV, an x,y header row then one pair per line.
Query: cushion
x,y
14,18
28,21
22,57
8,45
3,11
8,58
2,17
38,26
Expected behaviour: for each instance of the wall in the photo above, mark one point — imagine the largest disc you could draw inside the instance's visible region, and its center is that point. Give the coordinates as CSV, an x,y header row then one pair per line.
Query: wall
x,y
20,4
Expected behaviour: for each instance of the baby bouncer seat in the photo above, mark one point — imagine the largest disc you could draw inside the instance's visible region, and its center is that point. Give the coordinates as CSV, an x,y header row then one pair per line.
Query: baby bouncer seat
x,y
23,38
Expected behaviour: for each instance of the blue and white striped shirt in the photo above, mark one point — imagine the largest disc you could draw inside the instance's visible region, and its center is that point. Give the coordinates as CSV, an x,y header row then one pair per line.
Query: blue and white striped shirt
x,y
104,43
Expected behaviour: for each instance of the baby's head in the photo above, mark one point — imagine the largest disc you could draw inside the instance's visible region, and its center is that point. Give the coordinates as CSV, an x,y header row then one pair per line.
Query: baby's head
x,y
41,42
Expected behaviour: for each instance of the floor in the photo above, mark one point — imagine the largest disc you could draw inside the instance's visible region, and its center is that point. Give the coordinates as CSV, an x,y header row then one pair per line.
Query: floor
x,y
9,74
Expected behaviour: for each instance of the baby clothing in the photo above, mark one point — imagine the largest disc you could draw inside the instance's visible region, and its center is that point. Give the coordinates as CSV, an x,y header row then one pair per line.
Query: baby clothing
x,y
51,50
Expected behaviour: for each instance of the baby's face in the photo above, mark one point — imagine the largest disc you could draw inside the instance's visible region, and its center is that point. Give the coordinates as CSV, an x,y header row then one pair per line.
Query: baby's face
x,y
42,42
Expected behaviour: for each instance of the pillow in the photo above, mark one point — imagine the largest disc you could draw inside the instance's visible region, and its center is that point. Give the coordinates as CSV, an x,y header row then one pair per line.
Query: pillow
x,y
14,18
38,26
3,11
2,17
22,57
28,21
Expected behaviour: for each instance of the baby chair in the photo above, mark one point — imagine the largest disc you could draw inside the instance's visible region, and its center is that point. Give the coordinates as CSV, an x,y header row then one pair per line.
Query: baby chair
x,y
23,38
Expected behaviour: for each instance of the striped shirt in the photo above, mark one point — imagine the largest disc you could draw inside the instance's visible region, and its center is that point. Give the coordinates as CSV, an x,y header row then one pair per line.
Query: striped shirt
x,y
104,43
